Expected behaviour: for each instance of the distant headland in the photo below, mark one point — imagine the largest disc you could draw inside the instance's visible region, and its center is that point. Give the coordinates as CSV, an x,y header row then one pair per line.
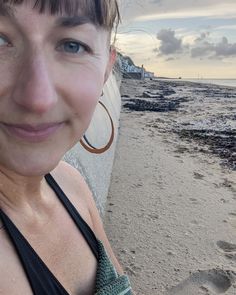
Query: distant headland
x,y
127,67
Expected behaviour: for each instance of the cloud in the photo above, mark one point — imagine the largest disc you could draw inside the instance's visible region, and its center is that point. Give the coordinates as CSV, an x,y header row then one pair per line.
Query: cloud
x,y
170,44
170,59
200,47
144,10
155,1
224,48
226,27
186,13
204,48
202,37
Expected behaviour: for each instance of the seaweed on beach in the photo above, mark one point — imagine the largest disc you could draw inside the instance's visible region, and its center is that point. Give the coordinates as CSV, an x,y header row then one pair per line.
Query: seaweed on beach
x,y
198,113
162,90
157,97
141,105
221,143
214,91
158,103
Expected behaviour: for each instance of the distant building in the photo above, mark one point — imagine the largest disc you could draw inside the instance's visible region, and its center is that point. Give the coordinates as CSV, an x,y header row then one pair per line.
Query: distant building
x,y
130,70
149,75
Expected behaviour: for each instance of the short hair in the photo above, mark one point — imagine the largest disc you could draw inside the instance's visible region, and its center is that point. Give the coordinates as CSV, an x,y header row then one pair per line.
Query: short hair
x,y
103,13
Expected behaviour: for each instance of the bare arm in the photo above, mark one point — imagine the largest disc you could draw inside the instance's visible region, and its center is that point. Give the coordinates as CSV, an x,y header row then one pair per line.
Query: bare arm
x,y
69,177
100,233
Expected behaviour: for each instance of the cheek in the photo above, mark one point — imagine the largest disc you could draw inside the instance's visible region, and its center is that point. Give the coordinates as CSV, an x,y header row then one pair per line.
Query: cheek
x,y
9,68
83,91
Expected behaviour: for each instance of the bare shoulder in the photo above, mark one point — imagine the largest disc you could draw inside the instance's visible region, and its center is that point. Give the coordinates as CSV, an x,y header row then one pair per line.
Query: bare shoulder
x,y
77,190
68,175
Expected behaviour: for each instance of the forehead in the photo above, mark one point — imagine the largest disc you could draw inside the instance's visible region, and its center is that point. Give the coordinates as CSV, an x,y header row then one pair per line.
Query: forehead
x,y
32,22
88,9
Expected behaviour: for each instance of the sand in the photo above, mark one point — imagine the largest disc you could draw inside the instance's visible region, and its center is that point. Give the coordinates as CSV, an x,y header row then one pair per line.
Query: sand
x,y
171,209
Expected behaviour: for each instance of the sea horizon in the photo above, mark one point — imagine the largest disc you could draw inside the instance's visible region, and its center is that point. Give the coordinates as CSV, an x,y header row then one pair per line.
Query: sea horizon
x,y
216,81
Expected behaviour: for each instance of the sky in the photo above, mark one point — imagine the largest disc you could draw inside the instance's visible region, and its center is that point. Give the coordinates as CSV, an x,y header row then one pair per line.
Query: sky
x,y
180,38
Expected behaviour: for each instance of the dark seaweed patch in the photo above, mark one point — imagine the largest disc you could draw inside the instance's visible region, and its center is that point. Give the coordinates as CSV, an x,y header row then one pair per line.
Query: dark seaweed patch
x,y
157,104
221,143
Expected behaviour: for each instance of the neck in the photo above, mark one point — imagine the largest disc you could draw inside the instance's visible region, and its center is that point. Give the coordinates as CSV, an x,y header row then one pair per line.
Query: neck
x,y
18,192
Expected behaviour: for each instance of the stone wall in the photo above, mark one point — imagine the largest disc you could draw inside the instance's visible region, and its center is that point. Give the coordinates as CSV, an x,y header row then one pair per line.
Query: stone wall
x,y
97,169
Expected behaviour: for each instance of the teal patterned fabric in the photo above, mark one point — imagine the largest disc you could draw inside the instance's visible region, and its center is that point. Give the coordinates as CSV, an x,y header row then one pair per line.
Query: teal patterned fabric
x,y
108,282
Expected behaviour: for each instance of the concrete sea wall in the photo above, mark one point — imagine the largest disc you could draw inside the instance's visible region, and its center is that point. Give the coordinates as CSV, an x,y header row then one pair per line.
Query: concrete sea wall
x,y
97,168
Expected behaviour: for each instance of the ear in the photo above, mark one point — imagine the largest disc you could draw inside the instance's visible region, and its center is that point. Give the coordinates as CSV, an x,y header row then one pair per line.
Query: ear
x,y
111,61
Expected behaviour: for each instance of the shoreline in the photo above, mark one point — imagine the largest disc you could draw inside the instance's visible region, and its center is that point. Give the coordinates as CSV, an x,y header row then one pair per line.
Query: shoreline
x,y
208,82
170,210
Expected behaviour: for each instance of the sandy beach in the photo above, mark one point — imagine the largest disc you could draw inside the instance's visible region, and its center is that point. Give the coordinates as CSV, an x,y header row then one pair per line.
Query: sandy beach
x,y
171,209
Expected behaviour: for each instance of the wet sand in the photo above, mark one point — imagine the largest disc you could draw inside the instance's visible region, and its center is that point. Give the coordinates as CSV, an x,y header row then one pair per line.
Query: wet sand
x,y
171,209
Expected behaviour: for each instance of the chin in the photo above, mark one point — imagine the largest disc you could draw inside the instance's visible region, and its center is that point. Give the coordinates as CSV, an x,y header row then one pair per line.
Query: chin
x,y
32,166
34,170
33,159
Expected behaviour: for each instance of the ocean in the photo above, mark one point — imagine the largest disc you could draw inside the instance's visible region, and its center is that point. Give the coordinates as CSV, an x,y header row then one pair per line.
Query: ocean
x,y
224,82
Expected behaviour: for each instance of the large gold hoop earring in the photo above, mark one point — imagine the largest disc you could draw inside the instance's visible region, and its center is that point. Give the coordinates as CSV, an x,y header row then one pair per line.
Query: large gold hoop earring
x,y
89,147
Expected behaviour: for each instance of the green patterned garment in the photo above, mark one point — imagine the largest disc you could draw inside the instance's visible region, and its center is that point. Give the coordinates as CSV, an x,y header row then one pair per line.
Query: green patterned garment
x,y
108,282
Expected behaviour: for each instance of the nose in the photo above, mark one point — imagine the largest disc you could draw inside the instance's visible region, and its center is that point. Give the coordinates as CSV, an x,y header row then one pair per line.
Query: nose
x,y
34,89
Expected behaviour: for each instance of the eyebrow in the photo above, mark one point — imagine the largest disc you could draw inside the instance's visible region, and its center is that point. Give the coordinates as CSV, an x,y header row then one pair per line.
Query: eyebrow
x,y
73,21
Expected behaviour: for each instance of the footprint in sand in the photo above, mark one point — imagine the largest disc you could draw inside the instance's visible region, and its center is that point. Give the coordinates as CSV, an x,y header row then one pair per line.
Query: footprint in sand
x,y
198,175
217,281
194,201
232,219
228,249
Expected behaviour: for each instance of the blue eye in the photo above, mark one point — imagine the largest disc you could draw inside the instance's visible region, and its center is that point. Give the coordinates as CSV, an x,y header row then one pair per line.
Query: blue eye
x,y
3,41
73,47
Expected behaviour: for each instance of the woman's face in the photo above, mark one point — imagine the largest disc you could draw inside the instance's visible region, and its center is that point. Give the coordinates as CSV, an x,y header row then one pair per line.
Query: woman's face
x,y
52,71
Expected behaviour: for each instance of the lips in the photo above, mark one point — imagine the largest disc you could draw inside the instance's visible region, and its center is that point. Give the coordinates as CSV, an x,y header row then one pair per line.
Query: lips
x,y
33,133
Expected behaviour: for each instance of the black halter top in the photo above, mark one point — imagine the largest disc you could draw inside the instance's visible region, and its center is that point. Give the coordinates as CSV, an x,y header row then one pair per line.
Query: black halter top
x,y
42,280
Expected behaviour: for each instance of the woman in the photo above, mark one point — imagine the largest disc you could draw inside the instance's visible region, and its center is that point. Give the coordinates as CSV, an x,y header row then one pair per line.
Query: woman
x,y
55,57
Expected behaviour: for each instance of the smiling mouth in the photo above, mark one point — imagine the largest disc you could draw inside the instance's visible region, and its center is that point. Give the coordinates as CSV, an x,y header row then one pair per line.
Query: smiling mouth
x,y
33,133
